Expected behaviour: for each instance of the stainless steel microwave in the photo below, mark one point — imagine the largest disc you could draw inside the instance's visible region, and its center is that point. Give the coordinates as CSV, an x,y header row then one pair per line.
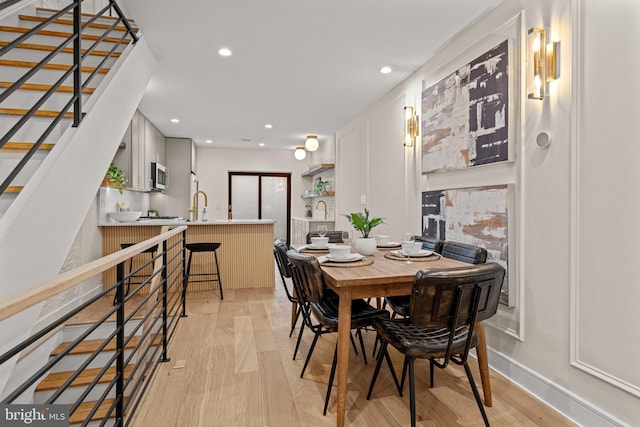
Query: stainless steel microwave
x,y
159,176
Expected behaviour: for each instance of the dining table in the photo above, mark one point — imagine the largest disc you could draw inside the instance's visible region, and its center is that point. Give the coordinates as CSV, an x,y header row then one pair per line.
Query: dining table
x,y
386,276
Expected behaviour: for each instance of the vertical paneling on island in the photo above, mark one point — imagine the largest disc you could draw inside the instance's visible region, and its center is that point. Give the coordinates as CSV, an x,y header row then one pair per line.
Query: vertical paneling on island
x,y
245,257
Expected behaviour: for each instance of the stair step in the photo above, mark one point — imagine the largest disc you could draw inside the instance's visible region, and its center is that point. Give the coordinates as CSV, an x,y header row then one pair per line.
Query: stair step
x,y
60,21
50,66
89,346
47,10
61,34
38,113
14,189
54,380
25,146
48,48
82,413
44,87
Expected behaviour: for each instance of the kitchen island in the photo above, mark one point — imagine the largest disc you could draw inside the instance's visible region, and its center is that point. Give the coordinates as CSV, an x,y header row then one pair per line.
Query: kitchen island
x,y
245,257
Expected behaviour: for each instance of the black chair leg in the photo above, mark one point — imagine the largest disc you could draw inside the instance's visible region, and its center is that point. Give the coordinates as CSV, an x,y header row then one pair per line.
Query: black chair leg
x,y
215,256
306,362
412,395
383,349
393,373
364,354
331,377
476,394
431,371
353,344
295,320
299,339
404,373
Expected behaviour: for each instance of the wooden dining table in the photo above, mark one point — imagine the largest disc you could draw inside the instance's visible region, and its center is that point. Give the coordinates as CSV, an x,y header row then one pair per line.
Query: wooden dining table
x,y
385,277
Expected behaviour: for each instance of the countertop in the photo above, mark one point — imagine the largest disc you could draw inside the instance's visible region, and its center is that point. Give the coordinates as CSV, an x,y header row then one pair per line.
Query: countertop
x,y
160,222
307,219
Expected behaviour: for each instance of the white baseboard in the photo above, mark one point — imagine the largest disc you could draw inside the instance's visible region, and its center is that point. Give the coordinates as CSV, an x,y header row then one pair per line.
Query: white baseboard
x,y
565,402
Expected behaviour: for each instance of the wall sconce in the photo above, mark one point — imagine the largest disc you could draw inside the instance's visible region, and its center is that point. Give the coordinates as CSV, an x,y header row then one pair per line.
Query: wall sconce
x,y
411,126
300,154
543,63
311,144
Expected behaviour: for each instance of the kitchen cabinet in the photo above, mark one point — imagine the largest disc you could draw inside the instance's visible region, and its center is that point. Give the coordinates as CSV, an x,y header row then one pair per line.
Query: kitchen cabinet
x,y
301,226
142,144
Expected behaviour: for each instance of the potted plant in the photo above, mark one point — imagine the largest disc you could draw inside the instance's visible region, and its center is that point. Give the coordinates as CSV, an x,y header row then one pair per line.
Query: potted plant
x,y
364,224
114,178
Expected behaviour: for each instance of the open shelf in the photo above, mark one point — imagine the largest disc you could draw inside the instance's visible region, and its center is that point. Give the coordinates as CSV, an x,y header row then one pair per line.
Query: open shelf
x,y
316,169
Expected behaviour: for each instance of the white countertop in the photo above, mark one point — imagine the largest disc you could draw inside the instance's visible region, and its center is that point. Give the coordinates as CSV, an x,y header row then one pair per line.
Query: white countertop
x,y
160,222
307,219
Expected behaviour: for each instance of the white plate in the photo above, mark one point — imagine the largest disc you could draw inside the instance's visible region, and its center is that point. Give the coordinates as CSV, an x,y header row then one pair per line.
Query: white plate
x,y
326,247
422,253
350,258
389,245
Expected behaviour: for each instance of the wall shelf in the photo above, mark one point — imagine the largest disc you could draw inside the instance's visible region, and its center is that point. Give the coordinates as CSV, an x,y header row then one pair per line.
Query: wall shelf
x,y
315,196
316,169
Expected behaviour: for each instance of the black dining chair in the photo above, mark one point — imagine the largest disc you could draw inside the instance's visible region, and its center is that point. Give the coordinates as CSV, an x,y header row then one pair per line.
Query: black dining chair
x,y
280,249
317,300
334,236
445,306
430,244
454,250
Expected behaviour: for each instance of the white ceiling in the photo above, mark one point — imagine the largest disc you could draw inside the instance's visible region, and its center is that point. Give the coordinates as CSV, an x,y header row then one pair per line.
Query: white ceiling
x,y
304,66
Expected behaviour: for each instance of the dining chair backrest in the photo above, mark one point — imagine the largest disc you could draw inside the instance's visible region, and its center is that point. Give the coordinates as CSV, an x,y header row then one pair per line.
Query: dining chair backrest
x,y
452,298
464,252
430,244
280,253
307,276
334,236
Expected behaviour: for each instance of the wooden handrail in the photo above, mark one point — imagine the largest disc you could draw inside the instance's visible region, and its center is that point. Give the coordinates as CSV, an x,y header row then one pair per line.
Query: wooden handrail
x,y
15,303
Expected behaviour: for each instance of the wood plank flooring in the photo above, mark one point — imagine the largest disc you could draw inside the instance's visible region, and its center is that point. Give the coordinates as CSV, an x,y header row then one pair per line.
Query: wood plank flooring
x,y
238,371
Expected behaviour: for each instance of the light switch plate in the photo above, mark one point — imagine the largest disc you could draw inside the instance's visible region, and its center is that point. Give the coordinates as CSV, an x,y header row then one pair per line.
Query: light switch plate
x,y
363,199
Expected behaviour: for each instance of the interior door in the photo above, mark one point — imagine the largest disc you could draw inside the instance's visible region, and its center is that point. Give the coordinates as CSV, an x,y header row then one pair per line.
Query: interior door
x,y
255,195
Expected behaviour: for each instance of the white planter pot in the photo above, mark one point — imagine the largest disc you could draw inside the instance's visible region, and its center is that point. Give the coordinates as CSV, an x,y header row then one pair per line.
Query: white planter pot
x,y
365,246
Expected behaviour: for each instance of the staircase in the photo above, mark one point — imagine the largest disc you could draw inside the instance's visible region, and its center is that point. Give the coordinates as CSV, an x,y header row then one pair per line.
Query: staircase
x,y
45,204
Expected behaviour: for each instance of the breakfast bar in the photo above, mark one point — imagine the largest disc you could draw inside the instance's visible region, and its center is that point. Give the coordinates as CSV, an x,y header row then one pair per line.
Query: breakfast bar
x,y
245,256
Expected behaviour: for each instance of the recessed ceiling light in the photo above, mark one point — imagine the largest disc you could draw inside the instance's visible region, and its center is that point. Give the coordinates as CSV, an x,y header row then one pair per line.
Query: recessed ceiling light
x,y
385,70
268,126
261,144
208,141
175,121
224,51
245,139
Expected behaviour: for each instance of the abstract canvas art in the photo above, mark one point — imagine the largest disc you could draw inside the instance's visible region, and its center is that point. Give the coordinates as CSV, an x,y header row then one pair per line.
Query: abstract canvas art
x,y
478,216
465,116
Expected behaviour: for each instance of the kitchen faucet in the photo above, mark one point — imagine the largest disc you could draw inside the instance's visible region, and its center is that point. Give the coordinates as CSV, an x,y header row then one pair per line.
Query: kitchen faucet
x,y
325,207
194,208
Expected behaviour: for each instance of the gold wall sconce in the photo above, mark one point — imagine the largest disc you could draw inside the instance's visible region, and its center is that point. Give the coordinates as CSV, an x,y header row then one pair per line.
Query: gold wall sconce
x,y
411,126
300,154
543,63
311,143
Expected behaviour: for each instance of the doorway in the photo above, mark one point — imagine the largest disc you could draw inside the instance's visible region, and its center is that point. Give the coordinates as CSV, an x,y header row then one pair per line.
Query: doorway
x,y
262,195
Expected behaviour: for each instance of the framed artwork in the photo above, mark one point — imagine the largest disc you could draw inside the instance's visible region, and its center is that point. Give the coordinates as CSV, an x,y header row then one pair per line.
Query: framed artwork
x,y
480,216
465,116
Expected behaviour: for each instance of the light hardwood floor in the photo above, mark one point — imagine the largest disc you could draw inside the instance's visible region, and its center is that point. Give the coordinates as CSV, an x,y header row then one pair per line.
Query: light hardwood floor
x,y
238,371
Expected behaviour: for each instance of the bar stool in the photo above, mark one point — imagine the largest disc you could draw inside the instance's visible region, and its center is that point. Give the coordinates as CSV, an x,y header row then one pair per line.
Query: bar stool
x,y
215,276
151,250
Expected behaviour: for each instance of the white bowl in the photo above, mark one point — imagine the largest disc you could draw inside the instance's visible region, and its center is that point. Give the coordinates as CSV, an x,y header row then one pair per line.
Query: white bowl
x,y
125,216
320,241
409,247
339,251
382,240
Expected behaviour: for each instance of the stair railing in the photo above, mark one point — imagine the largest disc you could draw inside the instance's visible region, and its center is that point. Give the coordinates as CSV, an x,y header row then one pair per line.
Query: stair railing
x,y
80,87
139,348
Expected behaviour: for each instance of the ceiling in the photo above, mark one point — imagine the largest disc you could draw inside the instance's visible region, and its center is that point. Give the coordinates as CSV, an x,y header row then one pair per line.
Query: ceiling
x,y
303,66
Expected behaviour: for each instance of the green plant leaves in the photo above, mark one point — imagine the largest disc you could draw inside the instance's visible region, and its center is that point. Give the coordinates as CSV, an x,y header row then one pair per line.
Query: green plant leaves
x,y
362,222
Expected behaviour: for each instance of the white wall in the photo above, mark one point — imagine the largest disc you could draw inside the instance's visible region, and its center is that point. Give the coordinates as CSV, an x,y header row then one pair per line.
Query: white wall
x,y
215,163
570,337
